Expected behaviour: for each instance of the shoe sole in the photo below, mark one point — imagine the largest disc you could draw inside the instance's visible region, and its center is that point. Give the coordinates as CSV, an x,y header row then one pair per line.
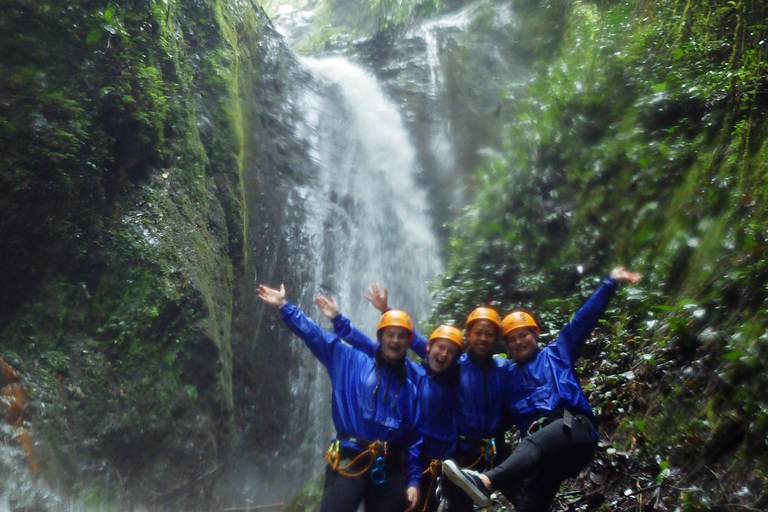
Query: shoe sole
x,y
453,473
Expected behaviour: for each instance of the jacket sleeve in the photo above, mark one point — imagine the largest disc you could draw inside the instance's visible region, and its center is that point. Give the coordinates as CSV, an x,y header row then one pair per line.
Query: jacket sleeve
x,y
573,336
320,342
419,344
415,440
344,329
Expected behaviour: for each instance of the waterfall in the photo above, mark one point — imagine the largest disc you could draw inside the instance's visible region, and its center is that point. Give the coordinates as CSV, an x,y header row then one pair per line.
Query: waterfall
x,y
374,218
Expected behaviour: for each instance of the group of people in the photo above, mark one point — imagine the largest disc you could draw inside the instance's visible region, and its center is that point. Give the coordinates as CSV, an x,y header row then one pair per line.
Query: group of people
x,y
422,436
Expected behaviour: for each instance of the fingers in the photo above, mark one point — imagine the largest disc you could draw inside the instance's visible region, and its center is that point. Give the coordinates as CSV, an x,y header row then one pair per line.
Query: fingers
x,y
265,291
268,295
412,496
622,275
271,296
372,293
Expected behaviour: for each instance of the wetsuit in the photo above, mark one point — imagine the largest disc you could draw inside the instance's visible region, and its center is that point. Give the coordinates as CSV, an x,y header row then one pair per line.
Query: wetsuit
x,y
552,413
437,405
372,400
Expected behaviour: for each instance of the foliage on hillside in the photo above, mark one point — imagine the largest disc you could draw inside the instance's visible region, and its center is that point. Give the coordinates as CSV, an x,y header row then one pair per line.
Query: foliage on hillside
x,y
121,139
645,142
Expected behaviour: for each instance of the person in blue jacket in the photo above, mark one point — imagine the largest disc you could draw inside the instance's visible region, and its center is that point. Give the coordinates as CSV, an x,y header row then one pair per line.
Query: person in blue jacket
x,y
435,380
375,412
547,406
480,393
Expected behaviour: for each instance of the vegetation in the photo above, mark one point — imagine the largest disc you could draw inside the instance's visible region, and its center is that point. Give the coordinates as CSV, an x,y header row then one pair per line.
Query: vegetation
x,y
643,142
121,141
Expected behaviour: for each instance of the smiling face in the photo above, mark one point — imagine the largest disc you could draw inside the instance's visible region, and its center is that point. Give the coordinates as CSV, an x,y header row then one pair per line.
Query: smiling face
x,y
441,354
394,342
481,336
521,344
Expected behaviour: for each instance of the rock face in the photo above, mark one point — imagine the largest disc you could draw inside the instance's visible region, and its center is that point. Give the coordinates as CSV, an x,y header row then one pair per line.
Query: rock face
x,y
124,226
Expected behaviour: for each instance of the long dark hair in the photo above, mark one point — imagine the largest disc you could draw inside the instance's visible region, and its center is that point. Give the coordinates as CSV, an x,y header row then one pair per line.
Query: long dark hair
x,y
396,367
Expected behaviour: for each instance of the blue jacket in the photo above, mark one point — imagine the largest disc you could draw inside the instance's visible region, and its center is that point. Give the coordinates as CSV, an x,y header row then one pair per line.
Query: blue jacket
x,y
549,381
391,415
435,393
480,396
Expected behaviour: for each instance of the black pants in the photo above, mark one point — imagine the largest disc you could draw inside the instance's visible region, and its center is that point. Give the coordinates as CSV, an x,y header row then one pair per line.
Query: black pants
x,y
344,494
532,475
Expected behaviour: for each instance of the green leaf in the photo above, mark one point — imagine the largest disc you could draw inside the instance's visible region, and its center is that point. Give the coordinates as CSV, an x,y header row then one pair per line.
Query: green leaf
x,y
732,355
678,54
108,14
94,36
191,391
660,87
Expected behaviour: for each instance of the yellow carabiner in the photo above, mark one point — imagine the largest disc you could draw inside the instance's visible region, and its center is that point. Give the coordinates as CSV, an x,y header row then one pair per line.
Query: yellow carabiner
x,y
332,455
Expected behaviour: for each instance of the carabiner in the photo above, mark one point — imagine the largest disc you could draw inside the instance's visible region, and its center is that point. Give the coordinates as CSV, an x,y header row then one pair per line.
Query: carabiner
x,y
378,475
490,448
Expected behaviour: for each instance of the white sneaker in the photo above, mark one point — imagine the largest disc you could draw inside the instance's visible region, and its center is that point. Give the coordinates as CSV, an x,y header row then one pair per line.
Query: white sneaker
x,y
468,481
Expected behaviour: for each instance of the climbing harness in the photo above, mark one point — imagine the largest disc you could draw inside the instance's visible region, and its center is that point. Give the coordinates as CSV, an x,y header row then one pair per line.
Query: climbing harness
x,y
377,451
546,419
378,475
490,450
487,453
434,469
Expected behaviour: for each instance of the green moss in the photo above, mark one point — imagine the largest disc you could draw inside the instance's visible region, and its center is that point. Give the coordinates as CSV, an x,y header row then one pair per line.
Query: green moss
x,y
122,130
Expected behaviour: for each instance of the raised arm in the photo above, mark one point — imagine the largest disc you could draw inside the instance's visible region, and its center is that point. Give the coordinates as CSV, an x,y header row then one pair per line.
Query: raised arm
x,y
576,332
379,299
320,342
343,328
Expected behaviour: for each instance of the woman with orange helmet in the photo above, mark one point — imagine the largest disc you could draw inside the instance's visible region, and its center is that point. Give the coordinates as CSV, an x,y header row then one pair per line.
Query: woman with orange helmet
x,y
547,406
374,409
435,380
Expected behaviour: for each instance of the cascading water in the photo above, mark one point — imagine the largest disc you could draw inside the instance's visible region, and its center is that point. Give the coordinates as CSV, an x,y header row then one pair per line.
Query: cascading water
x,y
369,203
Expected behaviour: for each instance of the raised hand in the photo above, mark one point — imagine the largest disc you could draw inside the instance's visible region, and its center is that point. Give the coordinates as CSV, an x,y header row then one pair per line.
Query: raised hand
x,y
377,298
622,275
328,307
271,296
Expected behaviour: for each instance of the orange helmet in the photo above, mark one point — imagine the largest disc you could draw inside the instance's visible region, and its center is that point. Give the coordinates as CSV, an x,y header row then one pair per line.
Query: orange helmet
x,y
484,314
518,319
447,332
395,318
